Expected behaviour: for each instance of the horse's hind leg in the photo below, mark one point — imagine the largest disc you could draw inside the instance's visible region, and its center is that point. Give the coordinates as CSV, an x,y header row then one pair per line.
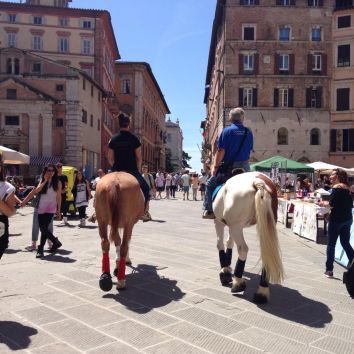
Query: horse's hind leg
x,y
238,283
224,257
123,256
105,279
262,294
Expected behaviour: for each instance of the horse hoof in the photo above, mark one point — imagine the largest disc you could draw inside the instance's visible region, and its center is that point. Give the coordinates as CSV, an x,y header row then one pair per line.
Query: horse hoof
x,y
121,285
106,283
238,288
225,278
115,272
260,299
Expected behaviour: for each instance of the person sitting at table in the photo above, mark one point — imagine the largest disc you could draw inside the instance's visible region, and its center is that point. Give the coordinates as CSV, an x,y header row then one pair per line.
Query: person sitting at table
x,y
340,218
288,184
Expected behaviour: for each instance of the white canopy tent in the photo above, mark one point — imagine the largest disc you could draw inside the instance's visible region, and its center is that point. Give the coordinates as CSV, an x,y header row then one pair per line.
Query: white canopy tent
x,y
325,167
13,157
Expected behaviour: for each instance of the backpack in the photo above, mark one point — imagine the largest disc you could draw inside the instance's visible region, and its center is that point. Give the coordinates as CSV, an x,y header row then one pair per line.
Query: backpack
x,y
348,279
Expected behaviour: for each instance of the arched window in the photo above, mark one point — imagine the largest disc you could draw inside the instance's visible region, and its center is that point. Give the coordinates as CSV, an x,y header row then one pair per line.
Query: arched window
x,y
283,136
315,137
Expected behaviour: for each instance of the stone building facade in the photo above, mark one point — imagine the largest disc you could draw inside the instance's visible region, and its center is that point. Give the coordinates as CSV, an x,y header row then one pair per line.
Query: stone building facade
x,y
80,38
140,96
49,115
274,58
342,86
174,142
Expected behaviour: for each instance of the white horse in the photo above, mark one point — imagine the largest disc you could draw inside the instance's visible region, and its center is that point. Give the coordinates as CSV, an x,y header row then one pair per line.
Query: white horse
x,y
247,199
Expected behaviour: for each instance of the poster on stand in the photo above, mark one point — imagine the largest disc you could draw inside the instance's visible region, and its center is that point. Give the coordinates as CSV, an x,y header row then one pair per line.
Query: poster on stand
x,y
309,223
297,218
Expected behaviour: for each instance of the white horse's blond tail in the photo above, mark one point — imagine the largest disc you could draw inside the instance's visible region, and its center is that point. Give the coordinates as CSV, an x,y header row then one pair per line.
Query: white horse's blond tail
x,y
267,232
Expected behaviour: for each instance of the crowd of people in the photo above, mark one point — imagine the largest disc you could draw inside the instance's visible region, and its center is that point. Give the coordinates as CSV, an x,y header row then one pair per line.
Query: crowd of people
x,y
124,154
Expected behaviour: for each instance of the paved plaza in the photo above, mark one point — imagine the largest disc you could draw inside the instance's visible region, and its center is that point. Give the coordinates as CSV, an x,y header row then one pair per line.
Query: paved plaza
x,y
174,302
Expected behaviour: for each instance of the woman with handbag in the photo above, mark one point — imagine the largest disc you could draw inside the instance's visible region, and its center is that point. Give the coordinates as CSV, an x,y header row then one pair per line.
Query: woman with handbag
x,y
7,208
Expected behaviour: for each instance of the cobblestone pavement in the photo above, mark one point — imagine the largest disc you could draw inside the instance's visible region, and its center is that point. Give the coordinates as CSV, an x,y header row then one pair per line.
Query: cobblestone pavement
x,y
174,302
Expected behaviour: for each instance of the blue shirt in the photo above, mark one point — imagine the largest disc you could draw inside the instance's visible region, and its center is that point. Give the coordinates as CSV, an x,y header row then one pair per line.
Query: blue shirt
x,y
230,140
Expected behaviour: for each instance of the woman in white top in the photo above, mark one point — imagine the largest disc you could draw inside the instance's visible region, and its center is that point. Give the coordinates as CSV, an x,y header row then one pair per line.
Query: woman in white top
x,y
49,191
168,180
160,184
7,208
82,194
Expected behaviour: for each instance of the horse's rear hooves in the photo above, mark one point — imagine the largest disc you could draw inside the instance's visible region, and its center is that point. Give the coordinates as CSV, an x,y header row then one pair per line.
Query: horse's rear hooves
x,y
105,282
225,278
260,299
121,285
238,288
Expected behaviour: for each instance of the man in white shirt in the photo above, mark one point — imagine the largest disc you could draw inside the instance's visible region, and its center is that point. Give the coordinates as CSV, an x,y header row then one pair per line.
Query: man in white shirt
x,y
186,184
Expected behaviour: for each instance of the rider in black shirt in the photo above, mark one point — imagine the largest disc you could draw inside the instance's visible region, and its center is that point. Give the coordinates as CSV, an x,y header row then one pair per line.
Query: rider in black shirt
x,y
124,154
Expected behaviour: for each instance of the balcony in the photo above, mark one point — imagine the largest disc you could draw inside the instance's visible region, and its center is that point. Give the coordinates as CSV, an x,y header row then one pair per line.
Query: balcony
x,y
111,101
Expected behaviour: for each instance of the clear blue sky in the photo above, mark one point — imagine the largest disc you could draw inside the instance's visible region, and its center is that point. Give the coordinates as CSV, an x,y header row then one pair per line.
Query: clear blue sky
x,y
173,36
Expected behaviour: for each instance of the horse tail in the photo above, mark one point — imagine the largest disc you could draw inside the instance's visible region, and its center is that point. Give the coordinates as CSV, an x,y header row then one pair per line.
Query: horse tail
x,y
113,202
267,232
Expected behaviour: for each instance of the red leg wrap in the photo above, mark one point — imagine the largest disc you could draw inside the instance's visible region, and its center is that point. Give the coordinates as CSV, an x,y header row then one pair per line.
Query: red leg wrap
x,y
121,269
105,262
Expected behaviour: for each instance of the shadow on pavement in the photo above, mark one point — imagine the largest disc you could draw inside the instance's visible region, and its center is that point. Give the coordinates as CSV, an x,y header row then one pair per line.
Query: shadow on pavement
x,y
11,251
15,335
14,235
146,290
290,304
159,221
57,258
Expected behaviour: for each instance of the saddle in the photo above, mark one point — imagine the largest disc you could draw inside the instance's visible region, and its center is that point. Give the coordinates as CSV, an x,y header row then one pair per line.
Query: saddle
x,y
224,174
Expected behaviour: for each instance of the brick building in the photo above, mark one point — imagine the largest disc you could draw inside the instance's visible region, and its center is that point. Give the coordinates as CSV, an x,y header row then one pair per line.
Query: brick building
x,y
274,58
80,38
342,86
174,142
48,109
140,96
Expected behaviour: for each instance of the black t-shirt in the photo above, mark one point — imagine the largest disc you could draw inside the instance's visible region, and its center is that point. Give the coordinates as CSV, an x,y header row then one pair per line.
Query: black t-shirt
x,y
64,182
341,205
124,145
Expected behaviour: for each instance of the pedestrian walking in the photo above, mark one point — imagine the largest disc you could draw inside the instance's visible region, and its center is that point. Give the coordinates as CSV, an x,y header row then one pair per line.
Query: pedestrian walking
x,y
185,179
7,208
340,218
202,185
173,185
195,185
35,225
62,212
168,181
149,179
49,191
100,174
124,154
160,184
234,148
82,194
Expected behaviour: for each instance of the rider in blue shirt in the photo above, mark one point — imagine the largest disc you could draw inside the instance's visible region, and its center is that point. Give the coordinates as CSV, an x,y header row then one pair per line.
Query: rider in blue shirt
x,y
230,151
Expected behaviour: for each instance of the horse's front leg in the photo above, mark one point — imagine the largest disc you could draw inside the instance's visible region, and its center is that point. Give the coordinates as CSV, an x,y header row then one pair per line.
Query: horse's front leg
x,y
262,294
238,283
105,279
123,257
224,257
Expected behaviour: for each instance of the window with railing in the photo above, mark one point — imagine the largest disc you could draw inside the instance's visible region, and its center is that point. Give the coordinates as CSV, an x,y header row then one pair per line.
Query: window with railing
x,y
343,55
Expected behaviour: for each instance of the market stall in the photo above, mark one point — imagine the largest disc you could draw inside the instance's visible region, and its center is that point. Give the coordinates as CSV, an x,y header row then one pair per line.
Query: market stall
x,y
306,217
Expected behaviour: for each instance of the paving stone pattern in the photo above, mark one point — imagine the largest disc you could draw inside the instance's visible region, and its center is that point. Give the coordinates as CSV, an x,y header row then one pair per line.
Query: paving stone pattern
x,y
174,302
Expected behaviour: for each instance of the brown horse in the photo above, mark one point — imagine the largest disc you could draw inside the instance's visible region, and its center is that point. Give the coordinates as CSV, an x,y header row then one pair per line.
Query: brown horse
x,y
120,204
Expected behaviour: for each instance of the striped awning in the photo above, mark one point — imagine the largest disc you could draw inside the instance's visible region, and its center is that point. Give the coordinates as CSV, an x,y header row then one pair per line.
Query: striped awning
x,y
44,160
